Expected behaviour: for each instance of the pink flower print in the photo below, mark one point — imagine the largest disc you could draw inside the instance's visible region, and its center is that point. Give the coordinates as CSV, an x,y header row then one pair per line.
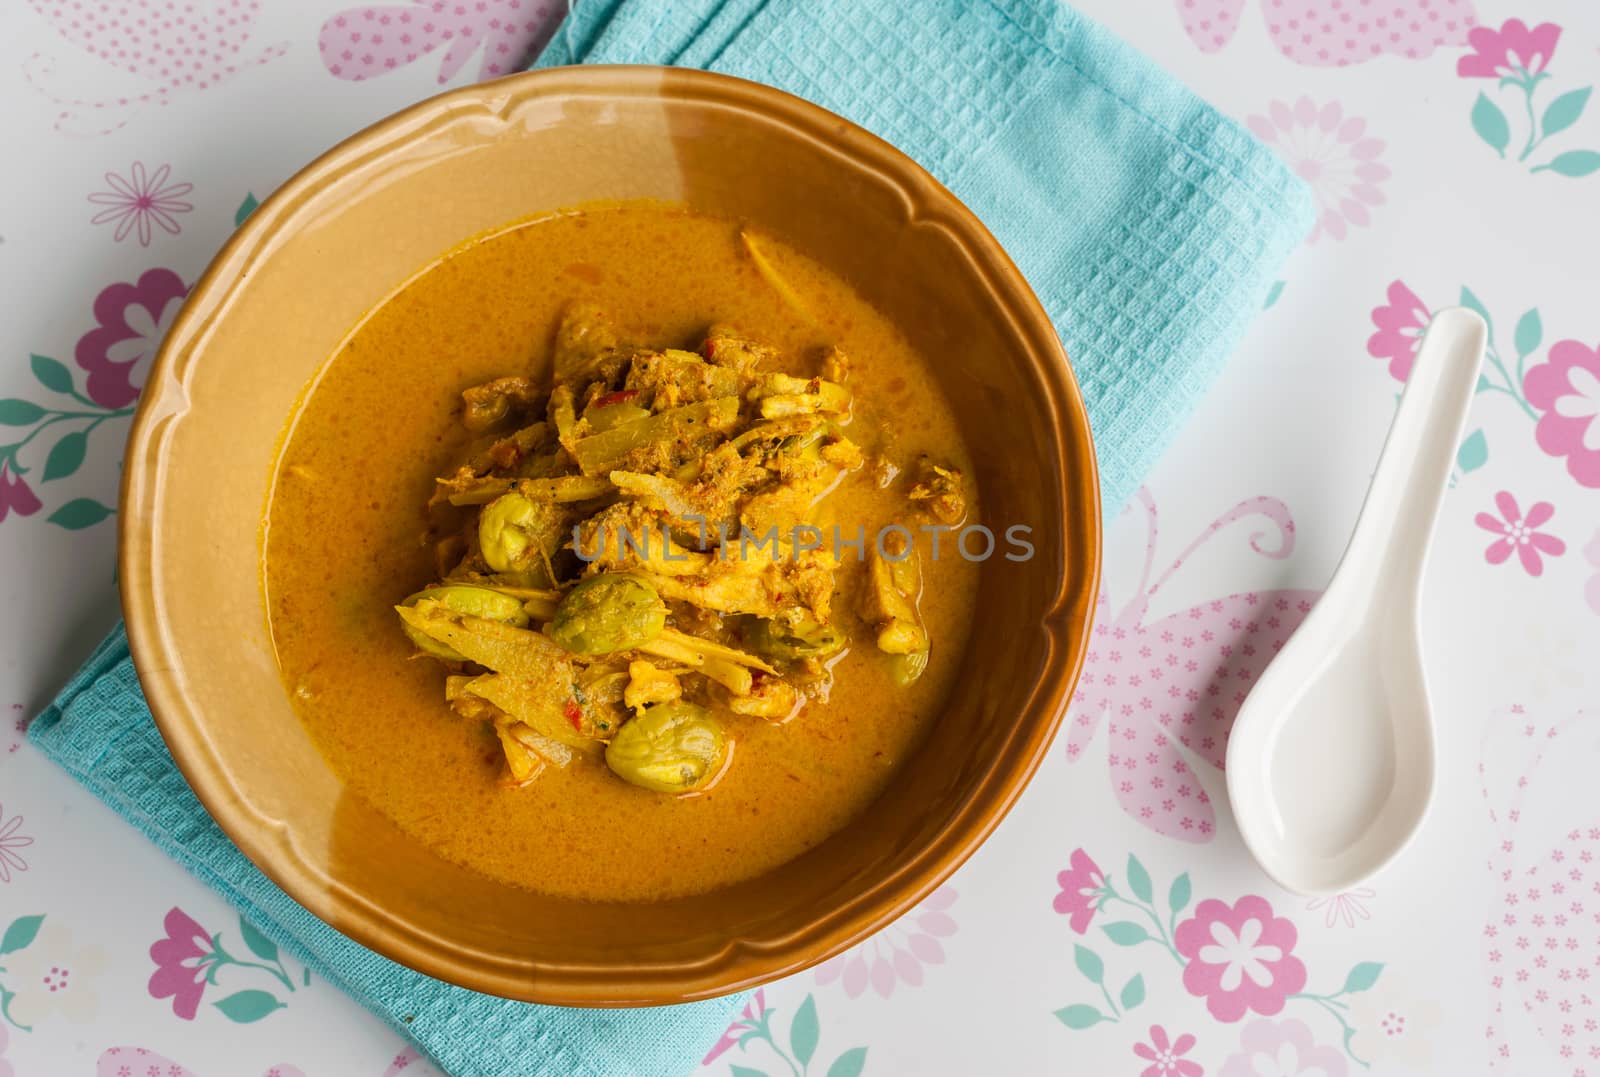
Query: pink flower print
x,y
1345,907
1167,685
1239,958
1165,1057
132,320
1081,886
53,974
141,1062
898,953
1401,323
408,1056
180,963
1333,154
15,494
170,50
1566,388
754,1011
1513,51
1591,590
10,842
1282,1049
138,1062
1210,24
1390,1024
364,42
1317,33
20,720
1541,940
1520,534
140,199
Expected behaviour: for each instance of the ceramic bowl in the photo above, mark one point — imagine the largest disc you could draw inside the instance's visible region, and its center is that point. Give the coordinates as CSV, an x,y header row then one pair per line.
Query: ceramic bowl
x,y
352,227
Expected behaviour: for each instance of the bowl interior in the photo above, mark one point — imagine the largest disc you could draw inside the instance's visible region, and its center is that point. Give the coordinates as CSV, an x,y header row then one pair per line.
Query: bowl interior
x,y
351,229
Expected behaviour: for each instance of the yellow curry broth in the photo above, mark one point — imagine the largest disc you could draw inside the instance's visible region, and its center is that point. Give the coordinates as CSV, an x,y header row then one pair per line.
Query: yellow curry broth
x,y
343,546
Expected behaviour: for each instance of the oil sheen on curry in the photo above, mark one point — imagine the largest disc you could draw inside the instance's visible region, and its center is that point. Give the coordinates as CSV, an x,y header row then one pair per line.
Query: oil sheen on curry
x,y
587,558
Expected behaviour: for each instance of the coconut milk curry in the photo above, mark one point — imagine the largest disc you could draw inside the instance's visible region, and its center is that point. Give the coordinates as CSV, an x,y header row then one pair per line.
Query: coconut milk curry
x,y
519,561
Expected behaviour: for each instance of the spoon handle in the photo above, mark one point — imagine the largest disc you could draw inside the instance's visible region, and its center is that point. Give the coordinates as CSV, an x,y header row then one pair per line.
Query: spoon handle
x,y
1390,546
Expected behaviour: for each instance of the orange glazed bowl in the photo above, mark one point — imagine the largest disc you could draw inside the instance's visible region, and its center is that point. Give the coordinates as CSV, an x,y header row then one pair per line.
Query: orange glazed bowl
x,y
345,234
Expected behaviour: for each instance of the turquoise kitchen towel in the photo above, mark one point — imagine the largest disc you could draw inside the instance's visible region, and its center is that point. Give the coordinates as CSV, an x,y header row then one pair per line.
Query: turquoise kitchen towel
x,y
101,732
1149,225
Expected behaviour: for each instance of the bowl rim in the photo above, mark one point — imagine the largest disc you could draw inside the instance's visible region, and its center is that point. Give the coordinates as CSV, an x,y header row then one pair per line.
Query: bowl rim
x,y
741,964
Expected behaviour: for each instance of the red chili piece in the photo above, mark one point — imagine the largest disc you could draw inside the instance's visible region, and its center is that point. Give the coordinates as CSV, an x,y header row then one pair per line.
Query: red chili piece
x,y
621,396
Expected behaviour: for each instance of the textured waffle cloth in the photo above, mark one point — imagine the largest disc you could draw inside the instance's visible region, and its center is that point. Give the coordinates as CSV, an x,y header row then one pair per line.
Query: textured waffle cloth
x,y
100,730
1149,225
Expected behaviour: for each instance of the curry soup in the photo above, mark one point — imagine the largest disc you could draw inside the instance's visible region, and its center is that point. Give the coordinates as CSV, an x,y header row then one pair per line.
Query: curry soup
x,y
354,528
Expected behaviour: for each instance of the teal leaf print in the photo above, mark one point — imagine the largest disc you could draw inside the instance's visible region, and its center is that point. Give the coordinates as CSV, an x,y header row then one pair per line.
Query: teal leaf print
x,y
66,456
1126,933
1132,992
80,513
1564,111
1573,163
20,933
1079,1016
51,373
1178,895
247,207
1530,330
1117,1006
20,412
849,1064
259,944
1491,125
804,1031
1362,977
1474,304
1474,452
1089,963
1138,879
1272,294
246,1007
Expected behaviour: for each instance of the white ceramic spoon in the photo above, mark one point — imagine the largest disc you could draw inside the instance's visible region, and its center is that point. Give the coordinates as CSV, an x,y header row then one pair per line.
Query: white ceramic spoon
x,y
1330,762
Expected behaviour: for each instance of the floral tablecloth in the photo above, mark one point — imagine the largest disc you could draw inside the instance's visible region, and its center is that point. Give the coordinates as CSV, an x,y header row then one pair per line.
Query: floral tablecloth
x,y
1114,925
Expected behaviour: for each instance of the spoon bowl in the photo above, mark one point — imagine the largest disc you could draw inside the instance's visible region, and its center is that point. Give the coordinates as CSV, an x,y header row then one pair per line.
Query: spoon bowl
x,y
1330,763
